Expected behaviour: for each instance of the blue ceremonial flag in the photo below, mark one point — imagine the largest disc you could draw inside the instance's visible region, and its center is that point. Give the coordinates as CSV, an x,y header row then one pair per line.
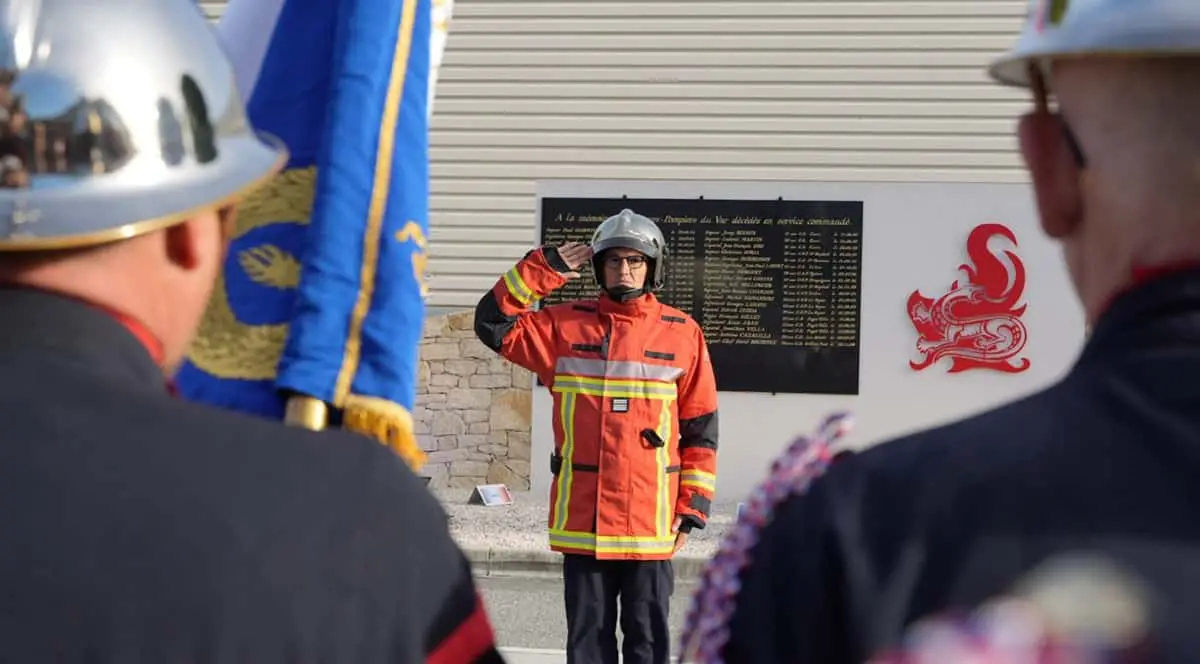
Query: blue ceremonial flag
x,y
323,292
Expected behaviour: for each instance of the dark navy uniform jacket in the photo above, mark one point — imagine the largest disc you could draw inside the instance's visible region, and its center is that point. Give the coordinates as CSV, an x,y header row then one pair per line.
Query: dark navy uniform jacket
x,y
135,527
1106,460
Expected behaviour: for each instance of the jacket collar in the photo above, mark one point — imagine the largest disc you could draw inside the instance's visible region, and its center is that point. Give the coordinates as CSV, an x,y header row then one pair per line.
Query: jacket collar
x,y
637,308
1163,310
41,326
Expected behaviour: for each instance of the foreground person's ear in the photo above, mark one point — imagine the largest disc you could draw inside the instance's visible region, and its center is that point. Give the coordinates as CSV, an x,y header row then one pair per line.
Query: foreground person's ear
x,y
1055,172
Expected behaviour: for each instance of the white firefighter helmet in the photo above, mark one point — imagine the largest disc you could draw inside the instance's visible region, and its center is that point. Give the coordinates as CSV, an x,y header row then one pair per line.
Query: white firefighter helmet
x,y
1073,28
631,230
104,136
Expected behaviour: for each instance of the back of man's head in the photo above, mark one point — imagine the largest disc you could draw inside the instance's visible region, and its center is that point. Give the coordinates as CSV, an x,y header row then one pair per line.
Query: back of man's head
x,y
1134,201
163,279
1139,119
122,194
1114,167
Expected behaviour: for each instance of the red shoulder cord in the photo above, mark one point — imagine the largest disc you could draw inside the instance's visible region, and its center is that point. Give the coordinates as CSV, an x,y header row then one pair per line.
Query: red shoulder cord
x,y
1141,275
1145,274
149,341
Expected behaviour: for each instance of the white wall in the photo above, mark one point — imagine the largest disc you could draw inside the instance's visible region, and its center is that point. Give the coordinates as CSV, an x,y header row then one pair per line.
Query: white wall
x,y
914,237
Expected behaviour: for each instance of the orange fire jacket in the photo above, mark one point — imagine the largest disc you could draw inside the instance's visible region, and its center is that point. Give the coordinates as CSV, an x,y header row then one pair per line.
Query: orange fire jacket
x,y
635,410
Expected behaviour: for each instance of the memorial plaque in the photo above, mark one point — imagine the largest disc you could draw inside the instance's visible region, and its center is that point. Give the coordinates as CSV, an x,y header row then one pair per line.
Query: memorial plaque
x,y
776,284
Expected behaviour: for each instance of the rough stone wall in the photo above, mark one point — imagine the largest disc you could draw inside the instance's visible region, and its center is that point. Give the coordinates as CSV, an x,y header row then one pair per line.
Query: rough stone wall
x,y
473,409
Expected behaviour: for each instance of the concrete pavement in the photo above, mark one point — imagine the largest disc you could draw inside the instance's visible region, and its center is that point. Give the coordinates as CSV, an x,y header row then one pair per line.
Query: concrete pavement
x,y
538,656
533,656
527,615
511,539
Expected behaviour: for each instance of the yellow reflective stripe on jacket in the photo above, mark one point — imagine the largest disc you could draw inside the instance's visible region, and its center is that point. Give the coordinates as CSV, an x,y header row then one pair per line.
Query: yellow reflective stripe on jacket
x,y
611,543
565,475
698,479
614,388
517,287
664,512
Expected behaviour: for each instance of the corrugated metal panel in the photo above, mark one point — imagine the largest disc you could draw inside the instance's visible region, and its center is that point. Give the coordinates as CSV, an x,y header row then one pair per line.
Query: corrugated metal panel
x,y
708,90
876,90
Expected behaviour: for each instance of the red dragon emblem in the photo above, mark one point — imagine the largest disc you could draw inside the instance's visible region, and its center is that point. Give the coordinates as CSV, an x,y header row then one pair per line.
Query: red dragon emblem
x,y
977,323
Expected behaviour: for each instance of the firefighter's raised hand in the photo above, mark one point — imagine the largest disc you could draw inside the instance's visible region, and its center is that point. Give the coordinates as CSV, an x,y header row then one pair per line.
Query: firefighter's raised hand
x,y
575,255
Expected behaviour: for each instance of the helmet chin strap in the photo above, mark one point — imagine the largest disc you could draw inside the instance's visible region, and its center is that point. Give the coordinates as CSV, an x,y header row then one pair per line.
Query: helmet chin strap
x,y
624,293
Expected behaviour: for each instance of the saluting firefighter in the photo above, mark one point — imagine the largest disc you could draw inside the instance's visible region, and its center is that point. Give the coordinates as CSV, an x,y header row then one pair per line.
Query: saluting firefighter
x,y
635,428
137,527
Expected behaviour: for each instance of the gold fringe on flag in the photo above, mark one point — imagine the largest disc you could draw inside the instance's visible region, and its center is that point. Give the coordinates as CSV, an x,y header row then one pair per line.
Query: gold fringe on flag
x,y
387,422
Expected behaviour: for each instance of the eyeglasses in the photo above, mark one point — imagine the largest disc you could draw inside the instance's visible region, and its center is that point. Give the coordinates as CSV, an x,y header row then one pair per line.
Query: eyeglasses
x,y
634,262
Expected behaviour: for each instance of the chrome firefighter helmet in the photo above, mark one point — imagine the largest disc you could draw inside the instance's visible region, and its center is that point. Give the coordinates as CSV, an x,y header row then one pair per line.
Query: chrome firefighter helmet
x,y
632,231
104,136
1073,28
